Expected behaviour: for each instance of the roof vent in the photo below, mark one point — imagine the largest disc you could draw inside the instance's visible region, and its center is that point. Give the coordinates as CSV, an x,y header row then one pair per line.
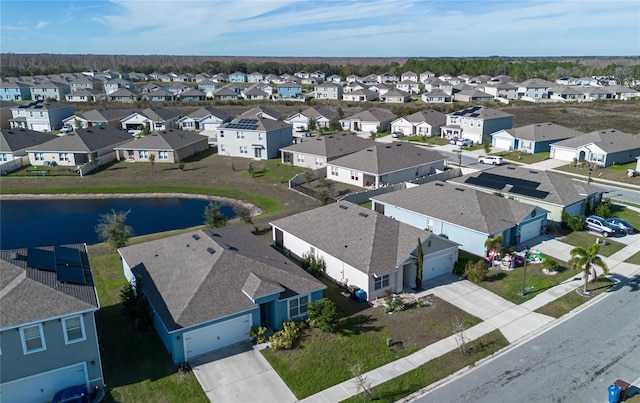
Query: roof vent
x,y
533,172
362,214
511,168
439,184
460,189
211,251
14,256
195,236
342,206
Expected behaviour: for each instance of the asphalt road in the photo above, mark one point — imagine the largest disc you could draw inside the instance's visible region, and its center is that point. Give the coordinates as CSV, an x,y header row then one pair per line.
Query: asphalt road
x,y
624,195
575,361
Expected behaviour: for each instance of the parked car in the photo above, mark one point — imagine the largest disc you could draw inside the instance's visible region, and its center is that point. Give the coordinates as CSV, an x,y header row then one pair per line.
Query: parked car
x,y
395,135
66,129
621,224
464,142
491,159
453,140
72,394
599,224
301,129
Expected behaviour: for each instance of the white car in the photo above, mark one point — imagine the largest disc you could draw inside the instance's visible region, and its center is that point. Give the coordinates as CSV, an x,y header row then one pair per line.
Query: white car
x,y
66,129
491,159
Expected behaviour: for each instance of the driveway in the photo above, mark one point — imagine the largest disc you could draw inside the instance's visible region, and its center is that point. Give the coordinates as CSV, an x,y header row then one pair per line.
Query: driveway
x,y
239,374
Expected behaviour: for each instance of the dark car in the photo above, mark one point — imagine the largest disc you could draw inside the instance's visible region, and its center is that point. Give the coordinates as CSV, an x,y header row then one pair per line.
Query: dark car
x,y
621,224
72,394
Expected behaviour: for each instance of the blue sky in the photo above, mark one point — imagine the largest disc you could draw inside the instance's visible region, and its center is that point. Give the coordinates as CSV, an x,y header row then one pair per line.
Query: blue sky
x,y
335,28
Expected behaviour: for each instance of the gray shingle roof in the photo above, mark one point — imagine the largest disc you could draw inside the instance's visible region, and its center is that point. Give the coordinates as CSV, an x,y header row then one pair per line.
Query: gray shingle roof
x,y
481,112
361,238
544,132
87,140
160,114
430,116
374,115
28,294
12,140
190,281
105,115
550,187
480,211
319,111
209,110
609,140
171,139
261,110
331,146
384,158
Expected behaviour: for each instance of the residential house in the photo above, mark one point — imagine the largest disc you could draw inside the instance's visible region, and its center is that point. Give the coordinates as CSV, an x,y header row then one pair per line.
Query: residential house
x,y
502,90
359,96
13,146
289,90
534,89
209,87
207,118
254,137
318,151
372,120
230,281
409,76
153,118
255,93
97,117
48,334
43,116
6,114
380,89
423,123
255,77
353,78
318,75
15,91
473,96
118,84
328,90
225,94
501,79
238,77
596,93
476,123
160,96
425,76
410,86
334,78
602,147
534,138
566,94
220,78
363,249
262,111
395,96
551,191
93,145
387,78
301,74
178,89
434,84
321,116
138,77
370,79
463,215
149,87
385,164
49,90
567,80
85,95
354,86
166,146
192,95
122,95
437,97
623,93
85,82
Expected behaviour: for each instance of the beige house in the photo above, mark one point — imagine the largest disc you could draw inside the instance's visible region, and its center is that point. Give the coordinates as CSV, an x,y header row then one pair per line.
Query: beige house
x,y
167,146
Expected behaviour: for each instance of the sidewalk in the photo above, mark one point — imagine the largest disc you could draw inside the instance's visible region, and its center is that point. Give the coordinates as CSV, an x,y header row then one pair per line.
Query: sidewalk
x,y
516,322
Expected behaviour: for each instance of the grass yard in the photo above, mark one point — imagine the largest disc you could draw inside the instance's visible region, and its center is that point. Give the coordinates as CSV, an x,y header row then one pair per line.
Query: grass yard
x,y
614,173
585,239
434,370
634,259
525,158
323,359
137,367
627,214
569,302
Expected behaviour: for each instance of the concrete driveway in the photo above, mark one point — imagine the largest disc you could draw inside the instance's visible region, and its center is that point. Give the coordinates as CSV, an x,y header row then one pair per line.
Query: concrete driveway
x,y
239,374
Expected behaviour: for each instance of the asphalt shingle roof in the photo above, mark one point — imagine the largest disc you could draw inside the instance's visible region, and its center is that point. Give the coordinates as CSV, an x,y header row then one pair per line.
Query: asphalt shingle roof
x,y
209,110
12,140
374,115
609,140
384,158
171,139
430,116
331,146
84,140
544,132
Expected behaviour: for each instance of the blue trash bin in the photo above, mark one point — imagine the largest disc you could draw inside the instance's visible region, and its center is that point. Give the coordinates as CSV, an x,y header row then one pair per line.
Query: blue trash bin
x,y
614,394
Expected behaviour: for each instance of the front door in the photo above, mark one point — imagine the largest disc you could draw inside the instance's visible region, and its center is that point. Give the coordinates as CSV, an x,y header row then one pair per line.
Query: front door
x,y
258,153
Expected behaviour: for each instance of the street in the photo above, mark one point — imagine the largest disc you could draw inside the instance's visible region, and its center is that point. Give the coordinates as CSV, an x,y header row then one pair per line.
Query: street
x,y
574,361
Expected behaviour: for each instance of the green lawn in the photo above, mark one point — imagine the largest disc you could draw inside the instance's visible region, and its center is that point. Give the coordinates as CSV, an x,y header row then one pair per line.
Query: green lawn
x,y
525,158
627,214
615,173
586,239
274,171
137,367
634,259
434,370
569,302
322,360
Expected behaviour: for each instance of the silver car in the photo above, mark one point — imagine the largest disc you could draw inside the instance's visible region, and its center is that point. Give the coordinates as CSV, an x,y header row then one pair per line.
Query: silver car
x,y
599,224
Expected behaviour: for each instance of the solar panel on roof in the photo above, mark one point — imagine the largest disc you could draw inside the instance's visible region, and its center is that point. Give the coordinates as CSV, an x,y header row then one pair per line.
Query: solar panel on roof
x,y
538,194
474,115
67,256
41,259
70,274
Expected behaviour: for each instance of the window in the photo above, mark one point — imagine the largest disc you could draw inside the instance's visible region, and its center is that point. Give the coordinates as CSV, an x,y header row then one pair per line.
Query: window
x,y
32,339
73,329
143,155
158,125
334,171
38,156
354,175
319,162
221,147
163,155
298,306
63,156
381,282
244,150
260,136
4,157
240,135
300,157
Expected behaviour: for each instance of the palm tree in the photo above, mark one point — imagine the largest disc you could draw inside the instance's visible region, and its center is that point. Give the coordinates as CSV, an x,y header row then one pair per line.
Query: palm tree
x,y
585,259
492,243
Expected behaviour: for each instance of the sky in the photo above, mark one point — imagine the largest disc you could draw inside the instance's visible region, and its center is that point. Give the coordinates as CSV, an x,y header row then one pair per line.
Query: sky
x,y
319,28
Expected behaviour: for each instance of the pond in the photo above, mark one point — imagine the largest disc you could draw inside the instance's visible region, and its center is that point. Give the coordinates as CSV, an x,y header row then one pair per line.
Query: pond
x,y
28,223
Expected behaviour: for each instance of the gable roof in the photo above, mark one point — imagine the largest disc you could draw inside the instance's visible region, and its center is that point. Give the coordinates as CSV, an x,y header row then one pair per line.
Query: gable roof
x,y
105,115
373,115
164,140
84,140
609,140
28,294
122,92
547,186
331,146
43,105
543,132
318,112
361,238
384,158
430,116
481,112
480,211
203,275
261,110
12,140
209,110
158,114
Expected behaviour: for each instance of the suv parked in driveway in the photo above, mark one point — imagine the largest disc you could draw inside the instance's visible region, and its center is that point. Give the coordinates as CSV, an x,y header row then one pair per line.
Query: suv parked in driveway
x,y
599,224
464,142
491,159
66,129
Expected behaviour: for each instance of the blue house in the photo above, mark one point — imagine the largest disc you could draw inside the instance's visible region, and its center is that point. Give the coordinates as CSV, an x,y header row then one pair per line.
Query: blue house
x,y
238,77
207,288
15,91
289,90
535,138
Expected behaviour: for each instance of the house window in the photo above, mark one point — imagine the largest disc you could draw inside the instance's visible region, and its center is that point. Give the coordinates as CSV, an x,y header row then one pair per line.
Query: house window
x,y
143,155
334,171
298,306
38,156
318,162
73,329
4,157
244,150
300,157
260,136
32,339
381,282
63,156
354,175
240,135
163,155
221,146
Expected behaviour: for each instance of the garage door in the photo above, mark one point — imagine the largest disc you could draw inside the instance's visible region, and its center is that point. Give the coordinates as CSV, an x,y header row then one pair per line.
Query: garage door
x,y
436,267
210,126
503,144
40,127
369,127
530,230
217,336
42,387
563,155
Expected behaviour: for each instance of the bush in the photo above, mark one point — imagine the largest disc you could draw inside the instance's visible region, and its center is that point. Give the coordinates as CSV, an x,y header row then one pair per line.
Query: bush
x,y
286,338
549,264
323,314
393,303
576,222
257,333
460,266
477,272
315,265
604,209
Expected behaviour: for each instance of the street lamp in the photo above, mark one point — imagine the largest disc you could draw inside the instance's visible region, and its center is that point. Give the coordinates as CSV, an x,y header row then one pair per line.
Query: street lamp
x,y
524,272
590,172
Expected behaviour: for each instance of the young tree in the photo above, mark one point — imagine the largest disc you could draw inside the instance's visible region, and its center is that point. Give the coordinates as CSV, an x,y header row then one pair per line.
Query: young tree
x,y
419,264
93,160
152,160
323,314
459,328
251,170
213,216
313,125
245,215
360,379
585,259
112,228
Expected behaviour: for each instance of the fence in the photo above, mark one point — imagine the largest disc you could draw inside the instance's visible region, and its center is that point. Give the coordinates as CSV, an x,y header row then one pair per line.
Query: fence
x,y
13,165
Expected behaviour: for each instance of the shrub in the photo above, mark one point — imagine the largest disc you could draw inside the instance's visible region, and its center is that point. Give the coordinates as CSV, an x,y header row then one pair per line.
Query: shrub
x,y
393,303
257,333
477,271
549,264
286,338
460,266
323,314
314,265
604,209
576,222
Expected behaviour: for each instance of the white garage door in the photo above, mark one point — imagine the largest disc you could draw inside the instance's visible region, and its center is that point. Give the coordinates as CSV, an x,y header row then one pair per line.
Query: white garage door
x,y
42,127
530,230
42,387
563,155
436,267
369,127
503,144
210,126
217,336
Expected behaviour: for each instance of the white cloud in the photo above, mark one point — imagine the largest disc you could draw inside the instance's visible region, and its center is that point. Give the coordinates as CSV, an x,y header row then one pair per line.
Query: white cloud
x,y
41,24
